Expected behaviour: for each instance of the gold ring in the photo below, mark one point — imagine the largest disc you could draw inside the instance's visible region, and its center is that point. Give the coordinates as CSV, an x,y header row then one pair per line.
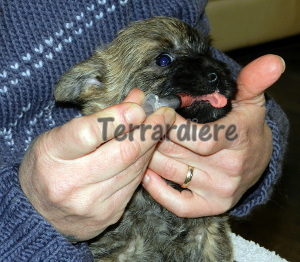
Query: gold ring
x,y
189,177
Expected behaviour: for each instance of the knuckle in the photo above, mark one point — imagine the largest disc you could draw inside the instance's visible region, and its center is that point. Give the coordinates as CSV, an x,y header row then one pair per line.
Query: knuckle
x,y
55,197
108,218
235,165
207,147
78,205
54,194
228,189
84,132
80,208
58,191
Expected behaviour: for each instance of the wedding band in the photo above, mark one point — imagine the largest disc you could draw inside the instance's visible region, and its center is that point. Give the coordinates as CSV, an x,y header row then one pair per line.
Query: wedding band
x,y
189,177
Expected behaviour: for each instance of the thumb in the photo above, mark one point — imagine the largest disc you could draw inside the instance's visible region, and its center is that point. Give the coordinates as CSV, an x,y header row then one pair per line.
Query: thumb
x,y
258,76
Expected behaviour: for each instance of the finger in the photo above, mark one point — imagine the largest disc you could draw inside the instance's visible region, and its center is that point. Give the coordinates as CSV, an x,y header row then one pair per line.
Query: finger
x,y
258,76
207,139
124,195
101,193
174,170
84,135
88,201
207,180
118,154
123,179
182,204
135,96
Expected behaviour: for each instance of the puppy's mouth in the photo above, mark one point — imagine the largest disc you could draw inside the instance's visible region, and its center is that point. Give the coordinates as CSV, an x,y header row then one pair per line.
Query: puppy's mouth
x,y
215,99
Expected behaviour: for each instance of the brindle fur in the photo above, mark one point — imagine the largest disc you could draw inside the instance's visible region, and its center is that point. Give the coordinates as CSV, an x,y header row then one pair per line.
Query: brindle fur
x,y
147,231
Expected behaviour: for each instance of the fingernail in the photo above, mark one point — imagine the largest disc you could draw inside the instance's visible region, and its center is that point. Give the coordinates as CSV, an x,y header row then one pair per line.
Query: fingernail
x,y
283,64
169,113
146,179
134,114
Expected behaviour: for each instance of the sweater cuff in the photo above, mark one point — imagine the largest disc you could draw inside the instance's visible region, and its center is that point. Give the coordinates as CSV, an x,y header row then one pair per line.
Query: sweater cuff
x,y
25,234
262,190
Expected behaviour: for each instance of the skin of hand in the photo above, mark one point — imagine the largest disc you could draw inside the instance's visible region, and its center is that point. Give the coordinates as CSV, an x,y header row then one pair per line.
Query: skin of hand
x,y
224,170
81,182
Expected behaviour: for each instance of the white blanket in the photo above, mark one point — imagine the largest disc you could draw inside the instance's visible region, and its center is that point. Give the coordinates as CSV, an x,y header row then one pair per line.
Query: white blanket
x,y
248,251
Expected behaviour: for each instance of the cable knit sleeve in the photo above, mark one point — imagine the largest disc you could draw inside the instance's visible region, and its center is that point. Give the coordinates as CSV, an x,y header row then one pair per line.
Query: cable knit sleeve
x,y
25,235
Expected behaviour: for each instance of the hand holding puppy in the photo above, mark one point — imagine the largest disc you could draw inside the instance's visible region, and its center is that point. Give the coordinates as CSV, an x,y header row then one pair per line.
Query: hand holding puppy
x,y
80,183
224,170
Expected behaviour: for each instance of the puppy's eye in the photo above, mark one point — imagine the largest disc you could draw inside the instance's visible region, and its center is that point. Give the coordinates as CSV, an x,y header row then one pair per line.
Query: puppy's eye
x,y
212,77
164,60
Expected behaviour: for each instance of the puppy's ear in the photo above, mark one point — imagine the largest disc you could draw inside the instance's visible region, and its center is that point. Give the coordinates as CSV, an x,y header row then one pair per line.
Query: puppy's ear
x,y
83,79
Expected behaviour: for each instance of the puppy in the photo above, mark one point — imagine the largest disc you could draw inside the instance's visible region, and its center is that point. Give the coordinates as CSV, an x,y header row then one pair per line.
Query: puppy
x,y
164,56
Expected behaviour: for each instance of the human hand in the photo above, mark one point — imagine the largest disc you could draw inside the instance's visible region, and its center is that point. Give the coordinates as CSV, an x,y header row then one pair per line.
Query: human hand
x,y
80,181
224,169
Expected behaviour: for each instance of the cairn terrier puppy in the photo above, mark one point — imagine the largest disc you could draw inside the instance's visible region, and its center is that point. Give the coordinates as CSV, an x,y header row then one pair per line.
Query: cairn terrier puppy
x,y
164,56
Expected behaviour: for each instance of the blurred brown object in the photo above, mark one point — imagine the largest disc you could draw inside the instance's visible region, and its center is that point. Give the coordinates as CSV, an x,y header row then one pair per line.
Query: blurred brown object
x,y
242,23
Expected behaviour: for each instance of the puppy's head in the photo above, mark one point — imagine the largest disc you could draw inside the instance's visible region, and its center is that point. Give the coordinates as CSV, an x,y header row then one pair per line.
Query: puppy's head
x,y
160,55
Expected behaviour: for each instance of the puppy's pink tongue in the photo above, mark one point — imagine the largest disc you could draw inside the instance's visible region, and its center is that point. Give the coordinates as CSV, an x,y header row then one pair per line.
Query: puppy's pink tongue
x,y
215,99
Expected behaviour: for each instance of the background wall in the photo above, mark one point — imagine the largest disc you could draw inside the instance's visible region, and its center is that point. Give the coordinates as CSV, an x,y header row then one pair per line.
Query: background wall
x,y
240,23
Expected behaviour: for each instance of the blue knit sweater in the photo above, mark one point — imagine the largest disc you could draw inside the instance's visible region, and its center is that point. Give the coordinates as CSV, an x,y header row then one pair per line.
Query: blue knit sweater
x,y
39,41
